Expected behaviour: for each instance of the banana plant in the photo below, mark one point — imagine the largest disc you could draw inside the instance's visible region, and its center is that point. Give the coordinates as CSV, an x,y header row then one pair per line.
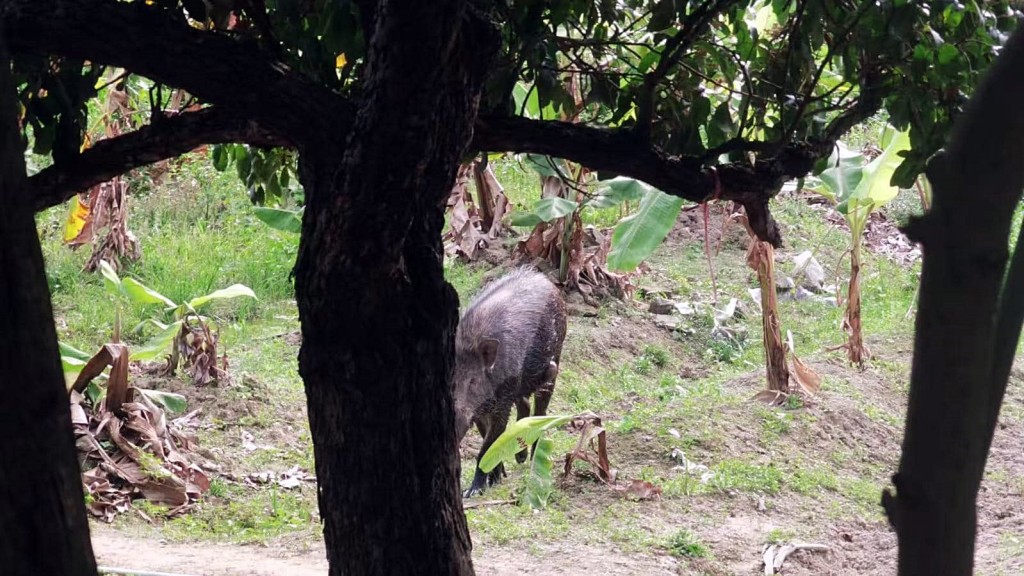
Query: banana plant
x,y
184,317
524,432
857,189
634,237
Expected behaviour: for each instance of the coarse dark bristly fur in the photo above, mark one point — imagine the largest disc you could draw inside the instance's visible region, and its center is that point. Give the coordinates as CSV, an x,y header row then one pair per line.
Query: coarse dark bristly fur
x,y
507,348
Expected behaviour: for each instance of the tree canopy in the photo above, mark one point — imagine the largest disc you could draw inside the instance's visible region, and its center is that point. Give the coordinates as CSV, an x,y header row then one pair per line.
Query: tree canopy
x,y
704,99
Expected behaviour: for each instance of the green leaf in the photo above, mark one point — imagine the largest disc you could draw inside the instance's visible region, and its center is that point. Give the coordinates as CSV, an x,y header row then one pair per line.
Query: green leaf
x,y
158,345
547,166
71,366
548,209
142,294
243,163
840,179
159,325
220,158
233,291
112,281
637,235
947,53
72,352
875,188
174,403
618,190
721,128
94,392
539,484
519,434
278,219
526,219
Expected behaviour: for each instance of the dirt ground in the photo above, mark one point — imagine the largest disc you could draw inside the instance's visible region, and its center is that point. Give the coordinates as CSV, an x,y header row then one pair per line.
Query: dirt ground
x,y
117,550
860,547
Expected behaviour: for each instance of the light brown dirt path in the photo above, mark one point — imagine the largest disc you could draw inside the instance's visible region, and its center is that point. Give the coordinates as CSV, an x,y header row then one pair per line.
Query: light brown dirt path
x,y
115,549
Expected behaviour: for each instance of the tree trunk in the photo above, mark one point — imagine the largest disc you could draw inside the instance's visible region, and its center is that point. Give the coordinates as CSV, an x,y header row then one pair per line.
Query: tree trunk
x,y
761,258
856,352
378,318
774,349
484,179
957,381
43,526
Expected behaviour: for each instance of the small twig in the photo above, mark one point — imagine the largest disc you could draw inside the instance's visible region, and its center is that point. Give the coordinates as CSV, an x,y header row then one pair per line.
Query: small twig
x,y
482,503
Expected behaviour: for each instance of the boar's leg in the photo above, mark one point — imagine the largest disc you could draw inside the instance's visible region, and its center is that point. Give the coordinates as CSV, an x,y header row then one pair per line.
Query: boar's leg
x,y
543,395
541,399
491,426
522,411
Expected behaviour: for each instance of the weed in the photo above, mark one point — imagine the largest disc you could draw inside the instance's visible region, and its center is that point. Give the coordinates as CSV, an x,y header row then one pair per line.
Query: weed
x,y
806,479
150,509
642,365
779,536
743,476
775,423
218,489
152,466
724,350
686,544
658,356
262,515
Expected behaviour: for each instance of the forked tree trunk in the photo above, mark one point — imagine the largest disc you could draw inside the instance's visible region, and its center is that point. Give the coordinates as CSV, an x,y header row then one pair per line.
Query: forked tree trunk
x,y
856,352
378,318
957,380
43,526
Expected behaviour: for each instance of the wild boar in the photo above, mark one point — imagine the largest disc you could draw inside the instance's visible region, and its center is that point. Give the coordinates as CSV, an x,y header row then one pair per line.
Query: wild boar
x,y
507,348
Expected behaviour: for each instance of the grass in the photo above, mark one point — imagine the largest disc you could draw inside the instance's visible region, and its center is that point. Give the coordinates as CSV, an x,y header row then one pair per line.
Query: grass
x,y
249,517
655,390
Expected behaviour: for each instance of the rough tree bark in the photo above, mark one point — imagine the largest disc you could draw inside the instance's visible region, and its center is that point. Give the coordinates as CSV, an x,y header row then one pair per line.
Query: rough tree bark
x,y
960,365
43,526
378,318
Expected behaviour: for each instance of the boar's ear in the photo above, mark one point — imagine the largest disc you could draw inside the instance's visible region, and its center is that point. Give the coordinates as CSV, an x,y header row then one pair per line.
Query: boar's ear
x,y
488,350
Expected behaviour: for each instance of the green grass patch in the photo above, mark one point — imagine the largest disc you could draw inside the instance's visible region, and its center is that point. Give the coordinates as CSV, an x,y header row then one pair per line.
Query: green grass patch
x,y
686,544
255,517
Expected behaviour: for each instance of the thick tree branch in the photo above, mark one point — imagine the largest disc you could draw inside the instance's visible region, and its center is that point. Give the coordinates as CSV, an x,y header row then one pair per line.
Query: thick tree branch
x,y
150,42
168,138
619,151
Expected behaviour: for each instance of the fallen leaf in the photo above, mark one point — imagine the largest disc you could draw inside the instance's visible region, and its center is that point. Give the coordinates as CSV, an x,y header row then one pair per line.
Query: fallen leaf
x,y
808,380
770,397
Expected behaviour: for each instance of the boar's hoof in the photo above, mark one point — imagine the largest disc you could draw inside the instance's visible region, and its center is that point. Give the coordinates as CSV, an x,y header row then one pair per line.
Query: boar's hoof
x,y
473,491
481,481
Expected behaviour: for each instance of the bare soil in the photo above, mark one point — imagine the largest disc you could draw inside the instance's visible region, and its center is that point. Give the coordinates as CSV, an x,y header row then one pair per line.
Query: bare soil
x,y
116,550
